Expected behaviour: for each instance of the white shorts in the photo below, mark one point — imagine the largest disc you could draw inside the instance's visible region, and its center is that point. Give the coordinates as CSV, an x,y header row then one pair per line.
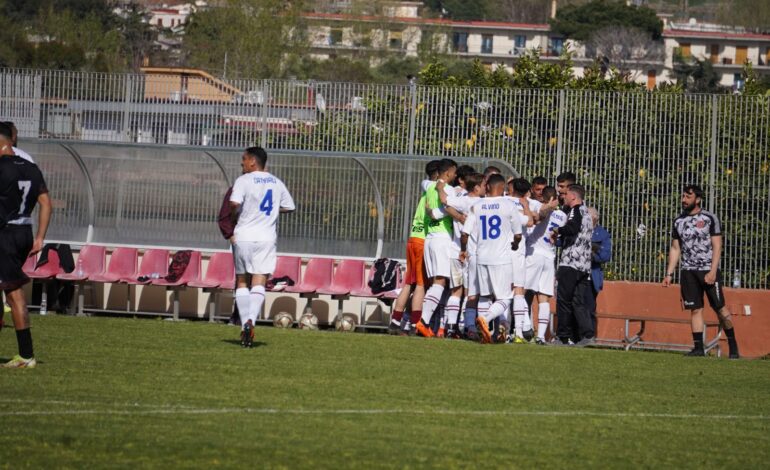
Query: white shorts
x,y
457,273
255,257
540,274
471,276
438,252
519,264
496,280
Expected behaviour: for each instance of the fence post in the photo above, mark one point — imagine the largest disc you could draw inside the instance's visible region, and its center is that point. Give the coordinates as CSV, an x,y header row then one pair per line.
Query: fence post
x,y
127,91
560,130
265,101
412,114
713,163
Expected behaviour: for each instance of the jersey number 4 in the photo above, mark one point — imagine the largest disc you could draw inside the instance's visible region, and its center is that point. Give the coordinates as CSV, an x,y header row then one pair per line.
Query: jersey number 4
x,y
266,205
490,228
24,187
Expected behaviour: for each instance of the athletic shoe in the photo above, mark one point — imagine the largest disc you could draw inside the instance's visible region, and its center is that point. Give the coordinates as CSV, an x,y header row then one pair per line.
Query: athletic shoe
x,y
484,335
247,335
529,334
453,334
585,342
472,336
734,354
441,333
519,340
394,328
423,330
696,352
19,362
502,335
540,341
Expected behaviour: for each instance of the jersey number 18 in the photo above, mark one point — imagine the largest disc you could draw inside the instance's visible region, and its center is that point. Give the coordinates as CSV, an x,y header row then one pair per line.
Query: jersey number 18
x,y
490,228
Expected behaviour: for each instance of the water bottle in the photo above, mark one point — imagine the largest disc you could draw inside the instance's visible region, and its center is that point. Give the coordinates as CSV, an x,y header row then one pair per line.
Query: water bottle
x,y
155,276
737,279
80,268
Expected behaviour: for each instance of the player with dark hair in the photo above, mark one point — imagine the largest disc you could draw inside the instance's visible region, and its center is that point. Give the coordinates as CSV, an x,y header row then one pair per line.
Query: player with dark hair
x,y
538,184
21,187
563,182
257,199
518,189
15,142
697,237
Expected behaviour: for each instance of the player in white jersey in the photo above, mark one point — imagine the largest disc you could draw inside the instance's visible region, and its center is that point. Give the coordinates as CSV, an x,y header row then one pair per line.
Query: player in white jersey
x,y
15,141
496,224
257,199
518,189
541,254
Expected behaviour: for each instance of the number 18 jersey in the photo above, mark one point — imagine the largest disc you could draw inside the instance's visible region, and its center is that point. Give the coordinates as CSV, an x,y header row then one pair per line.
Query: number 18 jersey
x,y
493,221
261,196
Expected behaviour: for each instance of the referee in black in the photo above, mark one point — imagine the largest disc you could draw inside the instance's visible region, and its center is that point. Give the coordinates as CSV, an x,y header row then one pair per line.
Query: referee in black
x,y
697,236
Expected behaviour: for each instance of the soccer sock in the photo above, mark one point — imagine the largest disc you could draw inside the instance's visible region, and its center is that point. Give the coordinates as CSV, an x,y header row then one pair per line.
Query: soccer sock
x,y
519,312
470,318
24,338
730,333
256,300
697,338
414,317
543,318
497,309
432,299
452,310
395,319
243,300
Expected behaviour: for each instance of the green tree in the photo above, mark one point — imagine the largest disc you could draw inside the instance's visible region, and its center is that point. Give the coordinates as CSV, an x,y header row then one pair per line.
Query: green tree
x,y
580,22
695,75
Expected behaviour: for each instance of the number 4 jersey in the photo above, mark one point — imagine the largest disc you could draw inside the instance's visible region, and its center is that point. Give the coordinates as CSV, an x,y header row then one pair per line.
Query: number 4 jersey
x,y
493,221
261,197
21,182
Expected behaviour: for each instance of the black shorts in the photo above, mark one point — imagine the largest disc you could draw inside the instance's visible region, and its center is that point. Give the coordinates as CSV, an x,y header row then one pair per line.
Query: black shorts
x,y
694,286
15,245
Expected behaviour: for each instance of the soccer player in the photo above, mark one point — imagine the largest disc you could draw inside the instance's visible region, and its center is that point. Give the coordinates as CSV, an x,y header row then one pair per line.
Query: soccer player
x,y
541,253
496,224
519,190
15,142
538,184
697,237
563,182
414,279
257,199
21,187
438,248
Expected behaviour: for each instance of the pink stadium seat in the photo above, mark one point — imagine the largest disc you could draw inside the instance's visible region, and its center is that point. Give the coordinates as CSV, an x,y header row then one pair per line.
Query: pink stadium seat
x,y
123,265
288,266
29,265
348,276
318,275
393,294
220,273
49,270
91,261
153,262
192,273
364,290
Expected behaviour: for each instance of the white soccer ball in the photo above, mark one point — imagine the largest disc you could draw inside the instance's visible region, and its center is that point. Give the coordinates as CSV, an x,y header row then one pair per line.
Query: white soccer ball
x,y
345,323
308,321
283,320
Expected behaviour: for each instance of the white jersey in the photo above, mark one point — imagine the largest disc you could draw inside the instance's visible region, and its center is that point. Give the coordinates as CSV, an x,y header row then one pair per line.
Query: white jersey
x,y
462,204
539,240
261,196
21,153
494,221
534,207
521,251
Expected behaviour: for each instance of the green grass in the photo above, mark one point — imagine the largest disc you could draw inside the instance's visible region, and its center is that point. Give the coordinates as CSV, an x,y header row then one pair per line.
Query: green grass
x,y
125,393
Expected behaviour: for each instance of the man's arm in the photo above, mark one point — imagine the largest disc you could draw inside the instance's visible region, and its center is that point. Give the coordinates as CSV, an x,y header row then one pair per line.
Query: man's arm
x,y
573,225
463,247
673,259
716,246
234,212
43,219
605,250
546,209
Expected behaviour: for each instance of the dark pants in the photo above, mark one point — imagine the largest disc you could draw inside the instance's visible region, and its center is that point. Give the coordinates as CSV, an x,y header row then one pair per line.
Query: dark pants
x,y
591,295
572,313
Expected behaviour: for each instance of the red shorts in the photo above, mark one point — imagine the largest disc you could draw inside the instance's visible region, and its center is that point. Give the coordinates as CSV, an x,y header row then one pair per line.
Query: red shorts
x,y
415,269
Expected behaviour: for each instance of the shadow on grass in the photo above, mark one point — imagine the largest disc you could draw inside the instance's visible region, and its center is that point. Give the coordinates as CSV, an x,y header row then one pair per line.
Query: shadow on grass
x,y
237,342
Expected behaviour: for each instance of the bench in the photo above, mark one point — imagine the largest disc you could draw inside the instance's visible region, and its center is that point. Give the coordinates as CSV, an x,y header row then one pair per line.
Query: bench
x,y
637,340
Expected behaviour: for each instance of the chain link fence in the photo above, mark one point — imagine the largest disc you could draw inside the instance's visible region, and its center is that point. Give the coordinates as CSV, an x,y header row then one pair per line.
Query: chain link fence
x,y
633,151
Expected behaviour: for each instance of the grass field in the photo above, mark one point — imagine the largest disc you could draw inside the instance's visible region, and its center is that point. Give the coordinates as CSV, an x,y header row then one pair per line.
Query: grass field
x,y
125,393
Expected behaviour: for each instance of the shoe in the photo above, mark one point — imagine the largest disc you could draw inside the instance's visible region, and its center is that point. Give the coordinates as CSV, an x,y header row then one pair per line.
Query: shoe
x,y
585,342
502,336
519,340
19,362
484,335
423,330
453,334
540,341
472,336
561,342
441,333
696,352
247,335
529,334
734,354
394,328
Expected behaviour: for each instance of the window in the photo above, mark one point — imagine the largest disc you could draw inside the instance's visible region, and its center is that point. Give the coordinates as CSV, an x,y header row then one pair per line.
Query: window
x,y
555,46
486,44
521,41
738,82
460,42
395,40
335,36
714,53
684,49
651,79
741,54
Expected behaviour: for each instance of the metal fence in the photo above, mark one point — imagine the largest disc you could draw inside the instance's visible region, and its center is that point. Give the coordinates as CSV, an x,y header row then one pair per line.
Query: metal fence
x,y
633,151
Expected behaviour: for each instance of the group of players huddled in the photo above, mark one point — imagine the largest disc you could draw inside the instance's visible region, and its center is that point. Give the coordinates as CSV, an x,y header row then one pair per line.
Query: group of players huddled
x,y
479,238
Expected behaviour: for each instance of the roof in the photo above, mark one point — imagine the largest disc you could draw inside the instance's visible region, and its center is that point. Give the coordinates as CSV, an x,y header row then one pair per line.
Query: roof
x,y
684,33
428,21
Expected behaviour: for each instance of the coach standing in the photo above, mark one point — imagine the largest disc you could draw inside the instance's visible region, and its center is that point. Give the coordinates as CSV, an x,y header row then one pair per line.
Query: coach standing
x,y
697,236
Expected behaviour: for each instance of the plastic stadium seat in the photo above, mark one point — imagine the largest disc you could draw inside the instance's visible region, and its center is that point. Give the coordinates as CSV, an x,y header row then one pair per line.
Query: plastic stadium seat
x,y
318,275
288,266
191,273
49,270
220,273
153,262
348,276
364,290
91,261
123,265
29,265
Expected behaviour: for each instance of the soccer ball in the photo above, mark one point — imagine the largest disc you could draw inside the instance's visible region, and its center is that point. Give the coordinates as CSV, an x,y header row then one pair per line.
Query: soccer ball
x,y
345,323
308,321
283,320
